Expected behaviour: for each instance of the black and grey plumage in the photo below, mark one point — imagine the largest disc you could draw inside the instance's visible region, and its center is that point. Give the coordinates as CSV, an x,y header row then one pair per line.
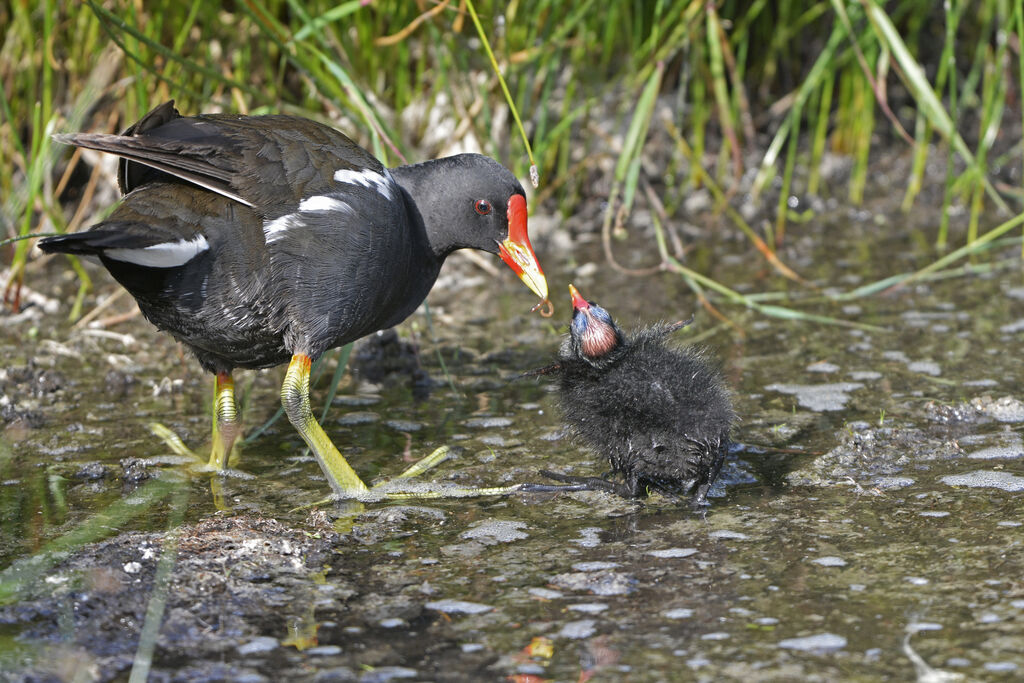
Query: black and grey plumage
x,y
661,415
256,240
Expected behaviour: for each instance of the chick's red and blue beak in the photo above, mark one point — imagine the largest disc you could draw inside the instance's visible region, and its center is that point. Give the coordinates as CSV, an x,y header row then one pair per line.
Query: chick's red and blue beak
x,y
517,252
592,328
578,302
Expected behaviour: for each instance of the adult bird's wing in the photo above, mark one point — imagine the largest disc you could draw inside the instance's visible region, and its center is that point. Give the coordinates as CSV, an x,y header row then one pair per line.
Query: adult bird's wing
x,y
260,161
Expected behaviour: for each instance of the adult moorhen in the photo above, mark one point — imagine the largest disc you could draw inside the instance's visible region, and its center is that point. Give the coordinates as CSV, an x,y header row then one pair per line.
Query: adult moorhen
x,y
661,416
256,240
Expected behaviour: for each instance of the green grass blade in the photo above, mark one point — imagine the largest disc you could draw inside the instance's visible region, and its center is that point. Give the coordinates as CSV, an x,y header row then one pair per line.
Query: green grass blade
x,y
922,91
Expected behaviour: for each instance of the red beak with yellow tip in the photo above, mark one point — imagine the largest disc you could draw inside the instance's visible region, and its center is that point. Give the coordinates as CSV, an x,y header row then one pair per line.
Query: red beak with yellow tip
x,y
517,252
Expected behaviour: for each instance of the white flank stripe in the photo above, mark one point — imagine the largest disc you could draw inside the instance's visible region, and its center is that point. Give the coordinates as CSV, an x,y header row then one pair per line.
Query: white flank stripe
x,y
368,179
323,203
165,255
275,229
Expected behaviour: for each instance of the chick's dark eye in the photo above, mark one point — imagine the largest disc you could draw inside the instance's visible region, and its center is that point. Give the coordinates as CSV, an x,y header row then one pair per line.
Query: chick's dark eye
x,y
482,206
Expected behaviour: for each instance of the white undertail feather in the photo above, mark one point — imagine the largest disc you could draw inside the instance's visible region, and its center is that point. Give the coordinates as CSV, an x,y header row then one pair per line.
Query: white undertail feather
x,y
163,255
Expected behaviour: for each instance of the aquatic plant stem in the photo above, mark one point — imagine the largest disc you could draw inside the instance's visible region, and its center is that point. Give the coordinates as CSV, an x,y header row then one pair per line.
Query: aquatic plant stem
x,y
702,176
534,172
157,604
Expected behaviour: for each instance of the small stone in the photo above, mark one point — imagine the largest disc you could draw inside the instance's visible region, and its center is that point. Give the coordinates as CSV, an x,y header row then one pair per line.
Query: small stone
x,y
727,534
589,607
822,366
258,645
672,552
594,566
999,453
925,367
822,642
599,583
497,531
383,674
488,422
584,628
458,607
678,613
986,479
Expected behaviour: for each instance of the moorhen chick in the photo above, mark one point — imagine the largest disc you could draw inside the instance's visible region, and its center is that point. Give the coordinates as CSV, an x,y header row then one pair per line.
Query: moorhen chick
x,y
660,415
259,240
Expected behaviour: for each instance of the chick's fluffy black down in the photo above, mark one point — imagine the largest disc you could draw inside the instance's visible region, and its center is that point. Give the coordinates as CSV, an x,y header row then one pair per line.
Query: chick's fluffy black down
x,y
661,415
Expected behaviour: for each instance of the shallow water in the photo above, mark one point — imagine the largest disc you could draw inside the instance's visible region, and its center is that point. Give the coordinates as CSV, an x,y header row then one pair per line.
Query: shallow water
x,y
867,525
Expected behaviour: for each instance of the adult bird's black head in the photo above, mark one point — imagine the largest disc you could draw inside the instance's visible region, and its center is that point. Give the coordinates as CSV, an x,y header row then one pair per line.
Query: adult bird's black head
x,y
661,416
480,206
260,240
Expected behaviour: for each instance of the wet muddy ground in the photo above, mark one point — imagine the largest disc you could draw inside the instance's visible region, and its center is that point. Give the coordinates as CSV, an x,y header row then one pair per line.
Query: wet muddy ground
x,y
867,526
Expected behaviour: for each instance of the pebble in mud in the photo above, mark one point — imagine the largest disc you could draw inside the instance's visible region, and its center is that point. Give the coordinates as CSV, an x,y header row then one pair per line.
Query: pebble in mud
x,y
590,537
458,607
678,613
865,452
865,375
672,553
135,470
403,425
822,366
818,397
1012,328
358,417
340,674
889,483
258,645
589,607
821,642
496,531
488,422
594,566
986,479
91,471
584,628
1005,409
925,367
1010,452
383,674
599,583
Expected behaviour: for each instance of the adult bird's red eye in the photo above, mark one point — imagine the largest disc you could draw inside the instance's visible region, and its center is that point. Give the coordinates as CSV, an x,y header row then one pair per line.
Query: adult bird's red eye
x,y
482,206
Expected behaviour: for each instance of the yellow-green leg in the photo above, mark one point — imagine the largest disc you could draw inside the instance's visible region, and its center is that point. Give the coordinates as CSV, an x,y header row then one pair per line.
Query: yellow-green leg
x,y
226,425
295,398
